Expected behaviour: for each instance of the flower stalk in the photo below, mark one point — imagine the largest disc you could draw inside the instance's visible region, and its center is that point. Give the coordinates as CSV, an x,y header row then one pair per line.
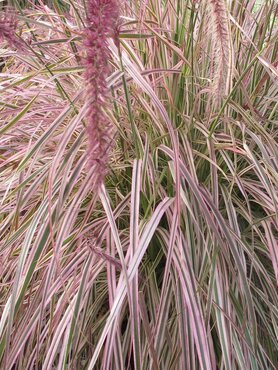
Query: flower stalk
x,y
8,25
102,18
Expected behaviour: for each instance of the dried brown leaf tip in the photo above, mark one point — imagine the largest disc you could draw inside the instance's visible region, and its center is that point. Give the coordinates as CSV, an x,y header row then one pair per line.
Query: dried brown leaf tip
x,y
218,31
8,26
102,19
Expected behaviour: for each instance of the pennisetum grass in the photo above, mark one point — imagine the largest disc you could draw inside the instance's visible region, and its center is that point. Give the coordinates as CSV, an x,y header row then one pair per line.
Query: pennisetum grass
x,y
217,25
102,18
173,262
8,26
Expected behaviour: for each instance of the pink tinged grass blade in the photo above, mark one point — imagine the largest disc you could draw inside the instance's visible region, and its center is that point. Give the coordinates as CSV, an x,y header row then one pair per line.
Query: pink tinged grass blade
x,y
188,289
139,79
60,151
161,327
110,217
17,285
134,243
71,212
43,139
114,231
164,304
60,330
183,332
21,284
239,355
205,201
220,291
263,177
76,313
145,239
63,327
27,329
148,331
14,121
272,244
113,344
197,323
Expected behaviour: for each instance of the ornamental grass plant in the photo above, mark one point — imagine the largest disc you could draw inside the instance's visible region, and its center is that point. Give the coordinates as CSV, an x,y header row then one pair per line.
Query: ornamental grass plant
x,y
139,185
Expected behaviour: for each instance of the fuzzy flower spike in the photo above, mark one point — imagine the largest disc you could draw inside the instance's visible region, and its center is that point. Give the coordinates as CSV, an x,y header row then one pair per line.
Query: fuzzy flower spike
x,y
8,25
102,20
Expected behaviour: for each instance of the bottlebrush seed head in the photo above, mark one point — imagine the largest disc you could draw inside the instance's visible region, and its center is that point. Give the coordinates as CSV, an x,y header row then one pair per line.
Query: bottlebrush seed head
x,y
218,25
102,16
8,26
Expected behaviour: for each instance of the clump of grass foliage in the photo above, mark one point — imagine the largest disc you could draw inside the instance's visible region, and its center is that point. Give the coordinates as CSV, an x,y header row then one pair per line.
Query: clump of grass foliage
x,y
172,262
